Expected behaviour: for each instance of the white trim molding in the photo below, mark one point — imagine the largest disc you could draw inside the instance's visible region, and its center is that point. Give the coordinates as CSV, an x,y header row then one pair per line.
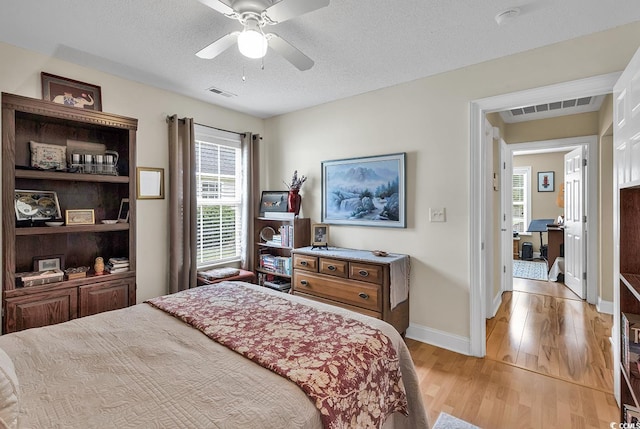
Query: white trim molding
x,y
438,338
605,307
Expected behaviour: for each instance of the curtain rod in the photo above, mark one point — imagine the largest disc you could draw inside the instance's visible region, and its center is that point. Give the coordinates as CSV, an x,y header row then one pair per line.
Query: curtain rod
x,y
170,118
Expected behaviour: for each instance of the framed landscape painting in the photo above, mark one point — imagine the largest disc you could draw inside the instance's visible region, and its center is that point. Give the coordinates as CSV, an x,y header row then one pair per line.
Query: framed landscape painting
x,y
366,191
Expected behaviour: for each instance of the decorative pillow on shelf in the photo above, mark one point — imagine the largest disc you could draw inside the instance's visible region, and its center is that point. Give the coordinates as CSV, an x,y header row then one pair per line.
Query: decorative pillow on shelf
x,y
48,156
219,273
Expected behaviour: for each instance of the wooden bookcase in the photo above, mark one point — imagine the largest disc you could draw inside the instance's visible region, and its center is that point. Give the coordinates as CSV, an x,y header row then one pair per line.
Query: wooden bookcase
x,y
26,119
300,232
629,284
626,217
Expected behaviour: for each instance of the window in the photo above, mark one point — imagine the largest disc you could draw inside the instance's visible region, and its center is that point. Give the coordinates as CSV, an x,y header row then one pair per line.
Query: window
x,y
218,193
521,199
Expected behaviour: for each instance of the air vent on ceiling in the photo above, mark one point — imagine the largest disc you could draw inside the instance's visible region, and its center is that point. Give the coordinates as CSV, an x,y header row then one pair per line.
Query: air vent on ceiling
x,y
556,108
221,92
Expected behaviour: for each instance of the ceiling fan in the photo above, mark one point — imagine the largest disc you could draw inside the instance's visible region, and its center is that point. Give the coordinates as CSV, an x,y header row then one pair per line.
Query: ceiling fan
x,y
254,15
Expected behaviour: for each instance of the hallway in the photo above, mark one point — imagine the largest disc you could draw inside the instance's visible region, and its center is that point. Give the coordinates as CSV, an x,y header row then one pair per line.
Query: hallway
x,y
543,327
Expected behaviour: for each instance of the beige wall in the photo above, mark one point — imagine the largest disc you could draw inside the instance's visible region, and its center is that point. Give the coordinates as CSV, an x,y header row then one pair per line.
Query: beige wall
x,y
582,124
429,120
543,204
20,74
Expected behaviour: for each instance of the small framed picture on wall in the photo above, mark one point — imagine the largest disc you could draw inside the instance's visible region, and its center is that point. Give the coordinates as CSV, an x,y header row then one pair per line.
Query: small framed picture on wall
x,y
546,181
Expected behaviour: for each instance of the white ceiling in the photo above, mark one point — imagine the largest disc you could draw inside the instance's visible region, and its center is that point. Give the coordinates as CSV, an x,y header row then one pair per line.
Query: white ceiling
x,y
357,46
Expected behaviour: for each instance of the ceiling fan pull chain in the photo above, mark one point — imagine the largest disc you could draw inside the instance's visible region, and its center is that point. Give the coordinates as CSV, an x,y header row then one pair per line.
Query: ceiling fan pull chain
x,y
262,61
244,78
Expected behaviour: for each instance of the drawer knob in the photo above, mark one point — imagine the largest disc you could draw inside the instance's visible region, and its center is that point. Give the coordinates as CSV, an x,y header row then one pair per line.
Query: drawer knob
x,y
331,267
304,263
363,295
304,283
363,273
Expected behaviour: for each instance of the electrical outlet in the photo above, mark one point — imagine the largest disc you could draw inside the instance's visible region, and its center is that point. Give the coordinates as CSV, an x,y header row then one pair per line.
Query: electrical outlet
x,y
438,215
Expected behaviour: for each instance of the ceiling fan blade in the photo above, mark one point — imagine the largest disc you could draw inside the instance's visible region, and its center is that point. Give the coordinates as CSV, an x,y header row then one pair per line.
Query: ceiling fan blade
x,y
220,7
219,46
287,9
291,54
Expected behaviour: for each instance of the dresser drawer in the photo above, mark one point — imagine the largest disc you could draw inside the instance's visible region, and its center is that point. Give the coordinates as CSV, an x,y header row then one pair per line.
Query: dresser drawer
x,y
365,272
350,292
333,267
360,310
304,262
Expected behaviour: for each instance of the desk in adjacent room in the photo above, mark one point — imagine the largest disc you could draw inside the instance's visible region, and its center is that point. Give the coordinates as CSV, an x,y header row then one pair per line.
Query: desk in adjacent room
x,y
555,237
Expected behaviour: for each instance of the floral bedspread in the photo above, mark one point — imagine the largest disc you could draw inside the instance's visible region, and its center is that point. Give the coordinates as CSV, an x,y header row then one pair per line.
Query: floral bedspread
x,y
349,370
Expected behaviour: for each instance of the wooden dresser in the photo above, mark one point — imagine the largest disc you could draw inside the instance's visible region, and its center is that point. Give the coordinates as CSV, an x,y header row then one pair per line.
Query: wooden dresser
x,y
356,280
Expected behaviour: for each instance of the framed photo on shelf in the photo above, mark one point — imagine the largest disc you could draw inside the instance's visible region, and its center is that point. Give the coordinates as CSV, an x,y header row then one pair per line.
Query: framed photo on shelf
x,y
320,234
367,191
46,263
80,217
71,92
36,205
546,181
274,201
123,213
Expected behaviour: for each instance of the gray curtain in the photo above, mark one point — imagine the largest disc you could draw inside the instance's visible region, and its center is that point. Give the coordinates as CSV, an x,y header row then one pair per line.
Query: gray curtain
x,y
251,188
182,204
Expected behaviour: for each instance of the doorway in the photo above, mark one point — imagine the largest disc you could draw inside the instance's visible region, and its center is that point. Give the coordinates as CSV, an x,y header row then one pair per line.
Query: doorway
x,y
480,175
588,144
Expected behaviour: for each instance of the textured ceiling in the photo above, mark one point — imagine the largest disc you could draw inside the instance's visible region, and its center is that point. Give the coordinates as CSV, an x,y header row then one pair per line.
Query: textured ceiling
x,y
357,46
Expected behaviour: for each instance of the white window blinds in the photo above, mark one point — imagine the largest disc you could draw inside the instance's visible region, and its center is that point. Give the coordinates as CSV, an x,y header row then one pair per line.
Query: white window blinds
x,y
521,198
219,196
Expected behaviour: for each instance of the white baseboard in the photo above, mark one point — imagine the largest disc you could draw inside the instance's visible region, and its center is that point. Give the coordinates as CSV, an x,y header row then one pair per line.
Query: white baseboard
x,y
497,300
438,338
605,307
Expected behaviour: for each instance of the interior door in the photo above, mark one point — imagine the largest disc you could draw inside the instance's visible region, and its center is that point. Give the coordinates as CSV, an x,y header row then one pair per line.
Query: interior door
x,y
506,226
574,230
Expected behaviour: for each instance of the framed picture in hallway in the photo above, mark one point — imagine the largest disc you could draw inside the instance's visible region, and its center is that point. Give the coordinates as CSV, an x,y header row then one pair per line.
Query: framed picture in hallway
x,y
546,181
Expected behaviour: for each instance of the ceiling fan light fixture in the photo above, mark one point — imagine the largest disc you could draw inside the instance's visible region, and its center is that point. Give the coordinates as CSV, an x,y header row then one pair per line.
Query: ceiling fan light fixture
x,y
252,43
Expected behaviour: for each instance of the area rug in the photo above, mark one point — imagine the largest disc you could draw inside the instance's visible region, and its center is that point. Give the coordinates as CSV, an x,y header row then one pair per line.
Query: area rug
x,y
447,421
530,270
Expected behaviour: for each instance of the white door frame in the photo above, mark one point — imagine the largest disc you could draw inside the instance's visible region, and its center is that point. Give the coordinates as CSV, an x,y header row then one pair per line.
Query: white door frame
x,y
591,204
479,174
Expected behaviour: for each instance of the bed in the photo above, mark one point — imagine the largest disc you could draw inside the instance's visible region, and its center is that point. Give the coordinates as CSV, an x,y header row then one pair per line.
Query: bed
x,y
143,367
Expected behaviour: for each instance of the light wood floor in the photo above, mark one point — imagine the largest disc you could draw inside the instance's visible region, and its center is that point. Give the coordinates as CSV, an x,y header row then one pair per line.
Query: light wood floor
x,y
548,365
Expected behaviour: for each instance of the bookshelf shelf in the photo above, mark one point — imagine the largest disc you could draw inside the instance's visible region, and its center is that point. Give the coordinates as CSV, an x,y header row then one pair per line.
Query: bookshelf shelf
x,y
292,233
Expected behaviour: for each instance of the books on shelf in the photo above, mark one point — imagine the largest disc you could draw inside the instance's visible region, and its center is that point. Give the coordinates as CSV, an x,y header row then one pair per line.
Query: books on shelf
x,y
272,281
117,265
275,264
118,262
630,333
35,278
277,284
284,238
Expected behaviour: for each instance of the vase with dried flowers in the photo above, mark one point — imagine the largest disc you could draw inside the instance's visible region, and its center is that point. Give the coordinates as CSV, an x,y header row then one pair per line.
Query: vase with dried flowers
x,y
295,200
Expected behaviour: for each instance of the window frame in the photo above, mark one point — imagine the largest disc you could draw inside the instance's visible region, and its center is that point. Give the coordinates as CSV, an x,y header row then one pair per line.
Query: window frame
x,y
212,136
526,172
